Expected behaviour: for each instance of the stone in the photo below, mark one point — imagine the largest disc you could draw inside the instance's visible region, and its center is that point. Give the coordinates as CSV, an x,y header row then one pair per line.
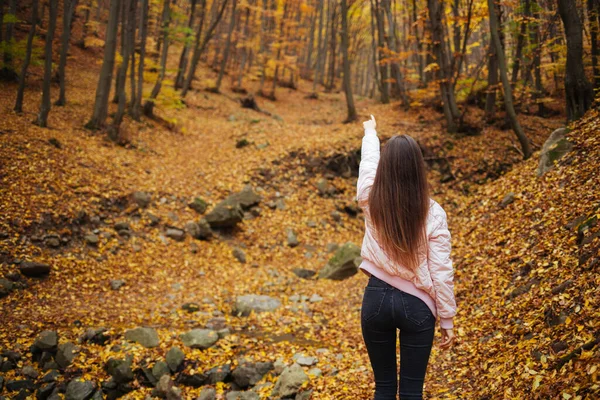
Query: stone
x,y
207,394
315,298
278,366
91,239
325,189
559,346
79,390
175,234
331,247
6,287
316,372
50,376
142,199
174,358
191,307
29,372
160,369
199,230
245,199
225,216
508,199
116,284
120,370
249,374
554,148
336,216
65,354
52,241
122,226
47,340
292,239
194,380
303,273
95,335
241,143
343,264
235,395
305,361
245,304
166,389
219,374
147,337
34,269
290,381
306,395
200,338
45,391
198,205
239,255
154,220
19,384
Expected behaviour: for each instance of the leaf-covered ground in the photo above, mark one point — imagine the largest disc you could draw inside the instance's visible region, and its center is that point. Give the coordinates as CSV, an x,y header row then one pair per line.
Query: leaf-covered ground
x,y
526,274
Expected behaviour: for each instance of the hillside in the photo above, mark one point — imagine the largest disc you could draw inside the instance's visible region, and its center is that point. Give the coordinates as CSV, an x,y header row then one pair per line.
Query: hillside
x,y
526,273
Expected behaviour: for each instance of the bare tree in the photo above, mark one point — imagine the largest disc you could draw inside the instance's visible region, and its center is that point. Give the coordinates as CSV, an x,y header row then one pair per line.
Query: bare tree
x,y
166,19
227,46
68,11
347,84
25,66
137,103
42,119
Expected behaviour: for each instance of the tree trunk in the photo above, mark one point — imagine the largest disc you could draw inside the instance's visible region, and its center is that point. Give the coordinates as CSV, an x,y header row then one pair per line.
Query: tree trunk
x,y
183,59
383,67
42,119
22,77
508,101
520,43
199,48
316,78
103,89
594,19
578,90
137,104
393,44
132,72
332,53
166,19
69,9
7,72
492,86
227,46
347,84
126,30
419,44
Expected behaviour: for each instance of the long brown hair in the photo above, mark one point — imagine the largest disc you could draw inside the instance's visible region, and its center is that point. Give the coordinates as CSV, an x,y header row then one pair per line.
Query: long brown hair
x,y
399,201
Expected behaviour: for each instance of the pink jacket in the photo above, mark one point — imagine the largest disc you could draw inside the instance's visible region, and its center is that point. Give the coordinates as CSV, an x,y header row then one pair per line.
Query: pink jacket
x,y
432,281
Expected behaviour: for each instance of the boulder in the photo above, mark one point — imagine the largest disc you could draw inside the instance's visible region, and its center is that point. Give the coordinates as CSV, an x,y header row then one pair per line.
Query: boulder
x,y
79,390
120,370
225,216
47,340
142,199
343,264
45,391
555,147
207,394
198,205
249,374
199,230
303,273
174,358
147,337
290,381
194,380
6,287
160,369
165,389
95,335
175,234
245,304
235,395
246,199
200,338
34,269
65,354
221,373
19,384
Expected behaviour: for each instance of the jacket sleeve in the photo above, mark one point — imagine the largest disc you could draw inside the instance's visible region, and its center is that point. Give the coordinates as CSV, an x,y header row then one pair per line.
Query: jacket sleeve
x,y
368,164
442,273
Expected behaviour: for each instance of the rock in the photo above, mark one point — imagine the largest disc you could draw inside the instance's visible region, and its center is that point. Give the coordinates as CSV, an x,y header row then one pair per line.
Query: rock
x,y
174,358
239,255
6,287
147,337
343,264
245,199
305,361
219,374
331,247
29,372
199,230
278,366
95,335
19,384
198,205
160,369
306,395
235,395
315,298
249,374
290,381
142,199
508,199
116,284
154,220
200,338
121,226
79,390
65,354
292,240
337,217
311,224
175,234
191,307
207,394
225,216
34,269
303,273
555,147
166,389
194,380
325,189
244,305
1,383
559,346
316,372
52,241
120,370
91,239
45,391
47,340
55,142
50,376
243,142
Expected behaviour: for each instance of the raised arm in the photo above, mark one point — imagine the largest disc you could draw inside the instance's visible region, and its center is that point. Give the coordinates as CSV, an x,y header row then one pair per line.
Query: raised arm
x,y
369,160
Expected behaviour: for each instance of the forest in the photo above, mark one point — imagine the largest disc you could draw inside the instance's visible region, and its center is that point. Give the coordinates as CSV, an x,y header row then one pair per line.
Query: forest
x,y
178,214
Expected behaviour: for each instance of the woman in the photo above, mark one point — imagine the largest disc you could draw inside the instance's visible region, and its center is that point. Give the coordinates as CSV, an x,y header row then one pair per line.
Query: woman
x,y
406,253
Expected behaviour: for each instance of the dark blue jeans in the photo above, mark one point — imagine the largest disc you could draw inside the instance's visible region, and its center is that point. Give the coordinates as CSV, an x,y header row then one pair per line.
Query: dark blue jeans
x,y
385,310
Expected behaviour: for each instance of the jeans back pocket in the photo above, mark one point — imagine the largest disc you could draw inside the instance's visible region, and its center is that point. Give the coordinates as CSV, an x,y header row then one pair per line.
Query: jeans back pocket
x,y
372,302
415,309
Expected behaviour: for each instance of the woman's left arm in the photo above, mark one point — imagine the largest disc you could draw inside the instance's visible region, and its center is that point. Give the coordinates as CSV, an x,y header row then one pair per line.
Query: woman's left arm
x,y
369,160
